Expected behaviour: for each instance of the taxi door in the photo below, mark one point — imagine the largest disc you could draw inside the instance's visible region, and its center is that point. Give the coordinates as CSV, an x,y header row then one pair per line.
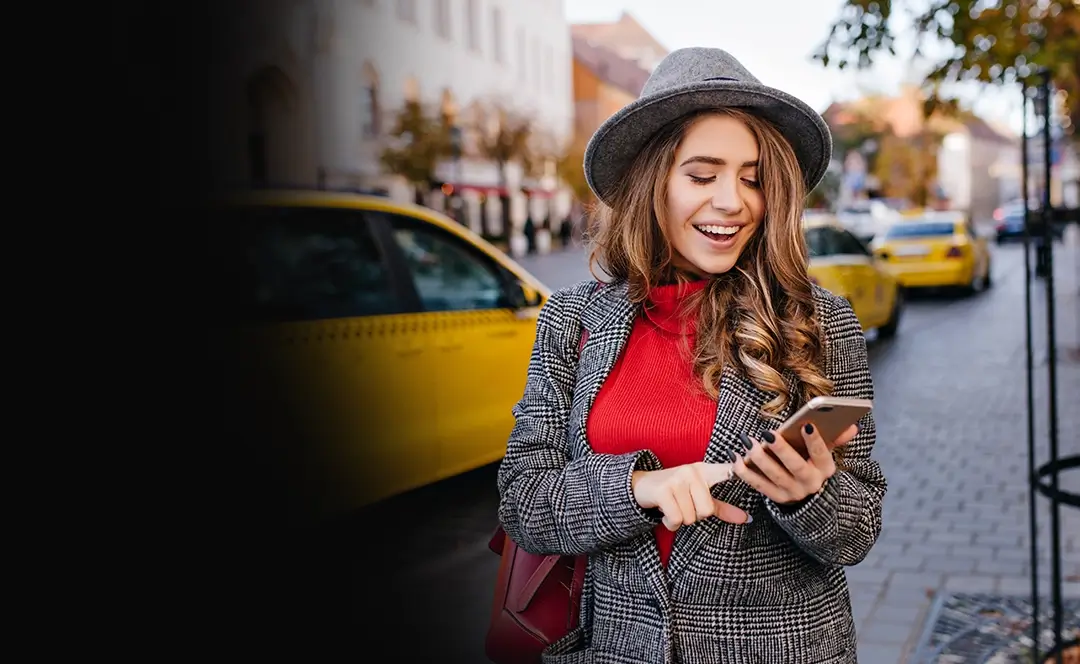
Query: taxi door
x,y
482,340
868,292
341,349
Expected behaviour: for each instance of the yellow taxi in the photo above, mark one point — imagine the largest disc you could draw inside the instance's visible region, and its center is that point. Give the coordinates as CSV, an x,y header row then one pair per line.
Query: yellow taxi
x,y
375,346
933,249
842,264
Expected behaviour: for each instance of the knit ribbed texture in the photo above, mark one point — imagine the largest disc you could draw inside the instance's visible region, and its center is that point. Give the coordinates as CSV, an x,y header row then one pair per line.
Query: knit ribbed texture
x,y
651,400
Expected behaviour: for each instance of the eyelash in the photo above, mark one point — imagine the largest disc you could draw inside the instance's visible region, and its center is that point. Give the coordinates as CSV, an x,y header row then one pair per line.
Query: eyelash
x,y
753,184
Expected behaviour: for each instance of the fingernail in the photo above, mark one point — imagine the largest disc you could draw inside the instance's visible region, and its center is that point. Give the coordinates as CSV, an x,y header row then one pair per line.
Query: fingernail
x,y
749,519
809,428
769,437
747,443
858,429
726,456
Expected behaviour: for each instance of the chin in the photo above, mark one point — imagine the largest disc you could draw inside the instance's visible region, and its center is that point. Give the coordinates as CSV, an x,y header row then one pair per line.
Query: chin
x,y
713,265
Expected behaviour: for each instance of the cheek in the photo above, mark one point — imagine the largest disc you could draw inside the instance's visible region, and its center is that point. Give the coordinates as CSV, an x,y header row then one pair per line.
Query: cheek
x,y
681,203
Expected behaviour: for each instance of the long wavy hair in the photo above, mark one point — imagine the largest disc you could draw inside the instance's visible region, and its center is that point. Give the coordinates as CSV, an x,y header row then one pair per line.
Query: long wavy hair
x,y
760,314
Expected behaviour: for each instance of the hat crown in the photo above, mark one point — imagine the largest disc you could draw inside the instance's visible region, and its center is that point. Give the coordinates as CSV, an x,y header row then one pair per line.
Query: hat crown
x,y
696,65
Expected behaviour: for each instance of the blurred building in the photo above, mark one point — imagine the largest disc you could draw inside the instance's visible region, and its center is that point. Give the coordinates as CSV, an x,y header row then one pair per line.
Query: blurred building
x,y
625,37
319,83
977,163
604,82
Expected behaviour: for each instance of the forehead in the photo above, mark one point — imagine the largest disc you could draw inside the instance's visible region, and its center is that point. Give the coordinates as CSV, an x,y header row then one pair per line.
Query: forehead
x,y
718,136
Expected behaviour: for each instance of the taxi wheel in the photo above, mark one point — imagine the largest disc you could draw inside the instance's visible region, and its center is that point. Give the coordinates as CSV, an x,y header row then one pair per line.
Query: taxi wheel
x,y
888,330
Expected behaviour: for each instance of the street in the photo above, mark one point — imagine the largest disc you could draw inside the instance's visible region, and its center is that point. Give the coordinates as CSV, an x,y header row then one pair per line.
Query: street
x,y
951,415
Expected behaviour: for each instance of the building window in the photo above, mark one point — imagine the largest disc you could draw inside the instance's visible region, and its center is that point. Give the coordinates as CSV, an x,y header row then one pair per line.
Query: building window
x,y
549,73
497,34
442,18
536,62
370,125
369,110
523,55
472,24
406,11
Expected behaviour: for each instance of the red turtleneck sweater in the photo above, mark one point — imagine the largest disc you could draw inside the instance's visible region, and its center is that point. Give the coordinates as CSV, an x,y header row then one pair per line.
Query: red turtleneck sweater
x,y
652,400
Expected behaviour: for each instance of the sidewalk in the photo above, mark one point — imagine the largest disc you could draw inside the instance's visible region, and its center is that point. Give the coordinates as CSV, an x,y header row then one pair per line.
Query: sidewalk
x,y
956,515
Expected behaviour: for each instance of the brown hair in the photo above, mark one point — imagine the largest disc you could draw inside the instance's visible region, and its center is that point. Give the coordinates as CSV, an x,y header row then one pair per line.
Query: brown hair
x,y
759,314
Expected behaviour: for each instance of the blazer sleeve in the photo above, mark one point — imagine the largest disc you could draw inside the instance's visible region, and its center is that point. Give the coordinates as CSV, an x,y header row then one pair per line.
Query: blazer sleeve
x,y
550,504
840,524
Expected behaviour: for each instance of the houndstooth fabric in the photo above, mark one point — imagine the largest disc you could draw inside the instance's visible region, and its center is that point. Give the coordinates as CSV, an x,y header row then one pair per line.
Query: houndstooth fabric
x,y
769,592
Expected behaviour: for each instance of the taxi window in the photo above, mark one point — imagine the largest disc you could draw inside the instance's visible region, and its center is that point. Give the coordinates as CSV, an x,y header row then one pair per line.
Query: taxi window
x,y
920,229
281,264
822,241
449,273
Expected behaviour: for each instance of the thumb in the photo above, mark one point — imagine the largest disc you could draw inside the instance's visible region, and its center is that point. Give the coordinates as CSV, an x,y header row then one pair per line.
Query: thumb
x,y
730,513
715,473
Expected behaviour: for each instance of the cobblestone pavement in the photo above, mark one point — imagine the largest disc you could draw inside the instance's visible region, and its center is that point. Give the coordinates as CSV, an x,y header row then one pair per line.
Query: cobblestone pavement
x,y
951,415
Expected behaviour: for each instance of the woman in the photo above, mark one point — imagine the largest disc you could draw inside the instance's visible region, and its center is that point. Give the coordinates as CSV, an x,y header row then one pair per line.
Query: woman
x,y
654,450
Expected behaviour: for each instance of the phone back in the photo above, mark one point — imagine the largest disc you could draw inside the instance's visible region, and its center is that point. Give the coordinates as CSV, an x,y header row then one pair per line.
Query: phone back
x,y
830,416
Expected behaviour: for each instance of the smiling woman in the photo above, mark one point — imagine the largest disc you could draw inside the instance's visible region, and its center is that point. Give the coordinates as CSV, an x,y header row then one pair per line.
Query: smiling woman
x,y
650,447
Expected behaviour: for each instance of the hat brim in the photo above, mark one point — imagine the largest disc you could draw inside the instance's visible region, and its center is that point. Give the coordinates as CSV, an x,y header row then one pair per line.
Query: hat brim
x,y
623,135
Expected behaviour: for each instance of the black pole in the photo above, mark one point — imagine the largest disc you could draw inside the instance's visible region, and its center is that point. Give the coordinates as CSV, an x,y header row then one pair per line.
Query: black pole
x,y
1032,512
1051,341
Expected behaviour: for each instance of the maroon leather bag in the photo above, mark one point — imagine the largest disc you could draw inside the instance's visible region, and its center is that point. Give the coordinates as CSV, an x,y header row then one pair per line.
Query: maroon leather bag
x,y
537,598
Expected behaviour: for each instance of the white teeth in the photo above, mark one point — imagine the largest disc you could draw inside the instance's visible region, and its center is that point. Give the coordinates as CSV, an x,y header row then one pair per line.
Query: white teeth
x,y
720,230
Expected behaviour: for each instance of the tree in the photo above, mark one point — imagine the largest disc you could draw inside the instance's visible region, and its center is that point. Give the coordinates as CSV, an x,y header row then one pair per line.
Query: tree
x,y
571,167
999,43
504,137
423,140
907,166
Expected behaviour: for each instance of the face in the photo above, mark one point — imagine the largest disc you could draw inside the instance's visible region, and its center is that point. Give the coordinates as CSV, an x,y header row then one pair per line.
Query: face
x,y
714,200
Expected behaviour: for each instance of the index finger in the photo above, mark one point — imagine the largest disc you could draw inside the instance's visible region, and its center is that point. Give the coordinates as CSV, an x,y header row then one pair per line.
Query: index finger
x,y
715,473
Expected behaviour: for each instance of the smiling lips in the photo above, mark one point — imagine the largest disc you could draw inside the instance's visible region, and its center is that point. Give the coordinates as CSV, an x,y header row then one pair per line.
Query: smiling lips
x,y
716,232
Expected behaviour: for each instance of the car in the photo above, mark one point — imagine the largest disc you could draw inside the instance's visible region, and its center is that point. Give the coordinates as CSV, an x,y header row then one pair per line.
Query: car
x,y
1009,220
845,266
1010,223
936,249
391,340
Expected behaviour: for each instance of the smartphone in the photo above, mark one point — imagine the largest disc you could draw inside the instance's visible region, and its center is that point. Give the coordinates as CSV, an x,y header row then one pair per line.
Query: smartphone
x,y
831,416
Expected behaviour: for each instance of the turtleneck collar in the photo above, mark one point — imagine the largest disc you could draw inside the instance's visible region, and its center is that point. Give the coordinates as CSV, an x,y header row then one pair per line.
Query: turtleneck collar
x,y
664,306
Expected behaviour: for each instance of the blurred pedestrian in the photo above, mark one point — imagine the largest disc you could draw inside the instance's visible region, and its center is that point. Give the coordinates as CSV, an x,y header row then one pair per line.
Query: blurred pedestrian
x,y
633,448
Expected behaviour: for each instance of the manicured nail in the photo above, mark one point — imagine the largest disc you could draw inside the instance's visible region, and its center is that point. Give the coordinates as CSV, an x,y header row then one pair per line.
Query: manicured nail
x,y
749,519
726,456
769,437
747,443
809,428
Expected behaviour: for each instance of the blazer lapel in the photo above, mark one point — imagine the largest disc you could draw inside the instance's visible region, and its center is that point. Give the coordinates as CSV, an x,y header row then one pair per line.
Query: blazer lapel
x,y
609,317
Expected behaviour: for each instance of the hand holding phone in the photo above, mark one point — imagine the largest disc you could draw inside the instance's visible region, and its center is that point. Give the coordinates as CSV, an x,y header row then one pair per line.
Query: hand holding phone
x,y
831,416
784,468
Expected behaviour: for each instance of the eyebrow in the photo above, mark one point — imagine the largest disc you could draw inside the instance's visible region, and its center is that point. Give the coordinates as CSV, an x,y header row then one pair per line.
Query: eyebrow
x,y
714,161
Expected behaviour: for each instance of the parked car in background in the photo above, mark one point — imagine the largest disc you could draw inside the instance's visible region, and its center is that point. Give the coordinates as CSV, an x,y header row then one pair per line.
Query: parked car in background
x,y
866,219
1009,222
843,265
930,249
378,346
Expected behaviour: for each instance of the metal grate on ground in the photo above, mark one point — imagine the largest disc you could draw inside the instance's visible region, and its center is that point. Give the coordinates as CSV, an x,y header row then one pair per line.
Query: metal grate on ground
x,y
988,629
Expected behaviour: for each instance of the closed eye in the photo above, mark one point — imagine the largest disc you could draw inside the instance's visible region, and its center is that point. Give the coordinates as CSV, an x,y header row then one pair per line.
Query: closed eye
x,y
696,180
753,184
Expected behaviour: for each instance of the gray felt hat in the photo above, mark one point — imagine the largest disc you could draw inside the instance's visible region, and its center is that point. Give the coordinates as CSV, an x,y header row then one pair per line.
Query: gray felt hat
x,y
693,79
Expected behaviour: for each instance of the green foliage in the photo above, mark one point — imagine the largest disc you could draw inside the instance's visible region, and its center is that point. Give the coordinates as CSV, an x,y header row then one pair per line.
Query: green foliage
x,y
423,139
996,42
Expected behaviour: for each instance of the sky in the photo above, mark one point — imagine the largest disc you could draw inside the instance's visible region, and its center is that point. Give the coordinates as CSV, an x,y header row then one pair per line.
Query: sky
x,y
774,39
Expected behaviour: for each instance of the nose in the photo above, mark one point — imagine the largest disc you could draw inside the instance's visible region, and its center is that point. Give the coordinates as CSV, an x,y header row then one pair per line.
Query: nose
x,y
725,195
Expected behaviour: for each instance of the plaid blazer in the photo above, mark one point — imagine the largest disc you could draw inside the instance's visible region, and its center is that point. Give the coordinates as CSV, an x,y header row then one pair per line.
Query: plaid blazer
x,y
772,591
